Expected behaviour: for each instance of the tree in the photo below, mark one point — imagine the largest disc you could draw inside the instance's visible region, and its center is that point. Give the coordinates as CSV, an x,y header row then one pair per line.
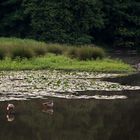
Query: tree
x,y
12,20
67,21
111,22
122,23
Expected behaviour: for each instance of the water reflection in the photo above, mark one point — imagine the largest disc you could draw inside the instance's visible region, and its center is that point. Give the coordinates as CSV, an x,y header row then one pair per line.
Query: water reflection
x,y
48,107
48,111
133,79
73,119
10,117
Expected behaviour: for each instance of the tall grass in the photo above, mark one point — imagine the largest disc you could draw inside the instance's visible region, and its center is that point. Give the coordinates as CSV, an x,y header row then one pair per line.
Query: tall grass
x,y
40,50
86,52
56,49
28,48
2,53
22,52
22,48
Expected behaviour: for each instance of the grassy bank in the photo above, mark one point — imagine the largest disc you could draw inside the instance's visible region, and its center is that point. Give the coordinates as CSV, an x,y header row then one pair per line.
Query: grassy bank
x,y
52,61
23,54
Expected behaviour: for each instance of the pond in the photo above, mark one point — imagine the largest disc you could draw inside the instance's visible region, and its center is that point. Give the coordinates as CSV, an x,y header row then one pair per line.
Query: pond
x,y
99,113
72,120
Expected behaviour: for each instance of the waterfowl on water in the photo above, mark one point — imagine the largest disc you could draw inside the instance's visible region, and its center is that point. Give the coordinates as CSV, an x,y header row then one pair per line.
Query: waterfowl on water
x,y
10,108
49,104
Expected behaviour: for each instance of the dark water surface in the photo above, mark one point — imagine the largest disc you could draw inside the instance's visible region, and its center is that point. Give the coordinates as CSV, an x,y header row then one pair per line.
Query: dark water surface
x,y
75,119
133,79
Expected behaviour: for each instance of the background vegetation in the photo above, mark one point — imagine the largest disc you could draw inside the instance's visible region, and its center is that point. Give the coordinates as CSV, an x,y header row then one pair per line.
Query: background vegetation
x,y
109,22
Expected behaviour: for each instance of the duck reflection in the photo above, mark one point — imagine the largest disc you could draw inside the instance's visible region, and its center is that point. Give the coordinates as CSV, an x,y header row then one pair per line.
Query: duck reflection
x,y
48,107
10,117
48,111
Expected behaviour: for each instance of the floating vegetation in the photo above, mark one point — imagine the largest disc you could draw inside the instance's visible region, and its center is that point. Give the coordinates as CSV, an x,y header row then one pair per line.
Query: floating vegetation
x,y
40,84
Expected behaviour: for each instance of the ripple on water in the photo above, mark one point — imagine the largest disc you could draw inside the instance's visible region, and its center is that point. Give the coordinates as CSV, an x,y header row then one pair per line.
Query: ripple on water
x,y
60,95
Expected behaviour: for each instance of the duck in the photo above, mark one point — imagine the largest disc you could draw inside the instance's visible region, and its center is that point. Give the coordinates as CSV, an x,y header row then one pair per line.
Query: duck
x,y
48,104
10,108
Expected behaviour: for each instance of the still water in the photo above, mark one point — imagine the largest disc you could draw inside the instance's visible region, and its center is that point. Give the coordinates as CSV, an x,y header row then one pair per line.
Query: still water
x,y
78,119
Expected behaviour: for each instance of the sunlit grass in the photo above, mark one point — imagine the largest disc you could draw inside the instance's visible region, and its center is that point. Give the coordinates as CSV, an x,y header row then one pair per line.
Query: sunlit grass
x,y
52,61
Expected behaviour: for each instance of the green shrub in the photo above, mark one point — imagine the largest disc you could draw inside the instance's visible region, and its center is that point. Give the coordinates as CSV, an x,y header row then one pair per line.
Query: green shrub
x,y
71,52
22,48
84,39
27,48
56,49
39,51
97,53
86,52
2,53
22,52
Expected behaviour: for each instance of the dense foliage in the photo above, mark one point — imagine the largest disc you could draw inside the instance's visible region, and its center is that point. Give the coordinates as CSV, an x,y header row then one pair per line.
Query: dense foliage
x,y
111,22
